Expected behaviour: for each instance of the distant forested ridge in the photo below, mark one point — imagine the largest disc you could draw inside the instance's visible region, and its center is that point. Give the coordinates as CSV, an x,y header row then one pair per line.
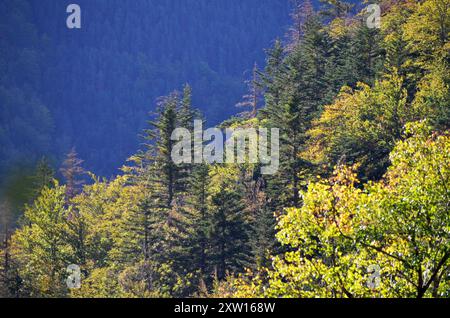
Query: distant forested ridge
x,y
359,206
93,88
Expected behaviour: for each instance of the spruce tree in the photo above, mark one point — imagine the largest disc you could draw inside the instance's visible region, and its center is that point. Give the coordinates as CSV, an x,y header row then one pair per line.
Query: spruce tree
x,y
160,177
231,251
163,216
295,94
199,215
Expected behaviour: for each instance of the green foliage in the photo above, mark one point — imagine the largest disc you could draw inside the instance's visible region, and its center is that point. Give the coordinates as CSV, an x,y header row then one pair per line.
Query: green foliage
x,y
362,189
362,126
43,176
399,224
40,247
432,100
427,32
229,229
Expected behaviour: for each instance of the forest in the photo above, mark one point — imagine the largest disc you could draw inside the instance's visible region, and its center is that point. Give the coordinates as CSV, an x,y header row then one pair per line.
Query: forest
x,y
359,207
92,88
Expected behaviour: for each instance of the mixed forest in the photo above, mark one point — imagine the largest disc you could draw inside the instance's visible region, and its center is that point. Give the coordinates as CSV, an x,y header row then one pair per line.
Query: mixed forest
x,y
360,205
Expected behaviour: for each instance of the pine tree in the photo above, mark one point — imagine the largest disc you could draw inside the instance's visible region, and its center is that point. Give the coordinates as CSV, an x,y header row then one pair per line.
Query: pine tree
x,y
185,119
140,244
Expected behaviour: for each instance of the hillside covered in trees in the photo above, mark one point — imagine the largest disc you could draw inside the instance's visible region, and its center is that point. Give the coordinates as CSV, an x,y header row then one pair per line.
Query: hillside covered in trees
x,y
92,88
360,204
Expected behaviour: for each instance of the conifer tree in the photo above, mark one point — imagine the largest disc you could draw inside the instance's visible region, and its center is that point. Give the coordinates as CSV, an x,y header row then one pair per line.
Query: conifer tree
x,y
72,170
162,215
231,252
252,99
272,77
294,96
367,54
301,11
76,227
199,220
43,176
262,220
336,8
187,114
160,181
